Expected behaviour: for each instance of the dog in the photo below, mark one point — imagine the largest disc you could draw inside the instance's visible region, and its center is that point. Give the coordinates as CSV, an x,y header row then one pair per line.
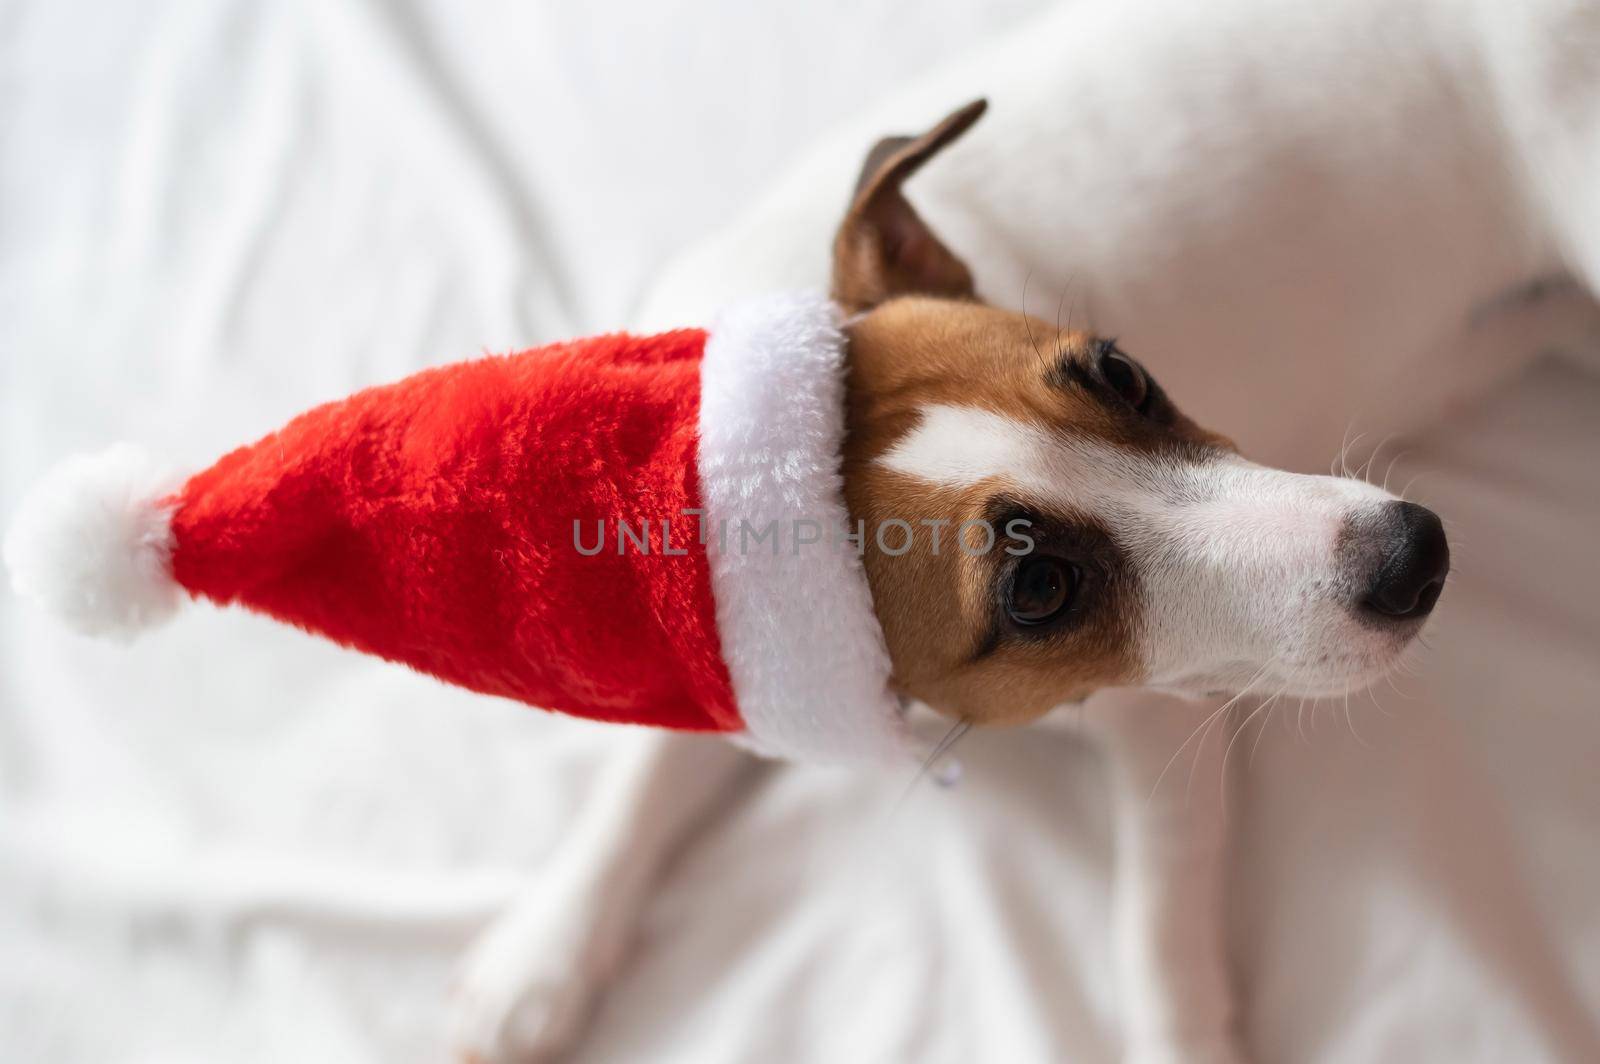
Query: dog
x,y
1093,537
1305,216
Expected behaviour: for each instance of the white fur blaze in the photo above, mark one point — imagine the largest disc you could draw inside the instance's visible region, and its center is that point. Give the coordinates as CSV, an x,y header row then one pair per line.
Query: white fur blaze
x,y
92,543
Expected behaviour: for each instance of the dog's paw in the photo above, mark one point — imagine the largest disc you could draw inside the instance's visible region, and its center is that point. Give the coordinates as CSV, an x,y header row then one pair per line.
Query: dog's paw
x,y
525,989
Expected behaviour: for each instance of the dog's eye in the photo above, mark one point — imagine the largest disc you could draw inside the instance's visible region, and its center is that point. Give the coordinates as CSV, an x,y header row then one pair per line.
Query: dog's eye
x,y
1041,590
1125,378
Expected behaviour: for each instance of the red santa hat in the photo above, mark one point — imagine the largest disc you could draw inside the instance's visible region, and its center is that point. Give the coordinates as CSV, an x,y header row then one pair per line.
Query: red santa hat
x,y
451,520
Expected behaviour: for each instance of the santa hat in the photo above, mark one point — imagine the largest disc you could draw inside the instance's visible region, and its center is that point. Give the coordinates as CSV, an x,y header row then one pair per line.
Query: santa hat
x,y
451,520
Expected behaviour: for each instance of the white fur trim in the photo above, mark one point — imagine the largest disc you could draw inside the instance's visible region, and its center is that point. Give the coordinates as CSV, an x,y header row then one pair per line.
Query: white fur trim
x,y
798,632
92,543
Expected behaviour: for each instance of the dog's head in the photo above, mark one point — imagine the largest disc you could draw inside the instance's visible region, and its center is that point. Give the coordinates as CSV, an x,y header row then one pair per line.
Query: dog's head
x,y
1042,521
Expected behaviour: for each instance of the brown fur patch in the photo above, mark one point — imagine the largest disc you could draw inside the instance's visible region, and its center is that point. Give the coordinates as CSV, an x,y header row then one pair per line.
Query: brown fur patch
x,y
942,612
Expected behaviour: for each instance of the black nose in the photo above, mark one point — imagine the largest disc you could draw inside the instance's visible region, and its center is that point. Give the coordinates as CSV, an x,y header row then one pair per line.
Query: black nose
x,y
1416,560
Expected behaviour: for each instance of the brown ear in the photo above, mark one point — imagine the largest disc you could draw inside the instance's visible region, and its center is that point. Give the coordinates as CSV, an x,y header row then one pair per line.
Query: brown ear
x,y
884,248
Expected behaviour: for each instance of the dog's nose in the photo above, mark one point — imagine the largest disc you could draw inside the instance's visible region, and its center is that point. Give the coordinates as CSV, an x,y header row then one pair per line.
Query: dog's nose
x,y
1416,560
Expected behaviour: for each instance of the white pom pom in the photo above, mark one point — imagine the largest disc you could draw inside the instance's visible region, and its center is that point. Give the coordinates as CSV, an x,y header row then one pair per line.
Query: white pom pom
x,y
93,543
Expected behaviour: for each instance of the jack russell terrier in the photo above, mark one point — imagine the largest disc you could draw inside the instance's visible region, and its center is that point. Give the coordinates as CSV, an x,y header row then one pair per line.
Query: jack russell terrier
x,y
1305,214
1148,553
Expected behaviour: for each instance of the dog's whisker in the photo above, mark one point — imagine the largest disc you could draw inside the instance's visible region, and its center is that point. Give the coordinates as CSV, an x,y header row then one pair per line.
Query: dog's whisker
x,y
1342,461
1260,734
1344,442
1205,726
1264,708
952,736
1063,299
1350,720
1345,461
1372,693
1027,324
1366,468
1406,491
1406,666
1072,304
1060,300
1390,470
1179,751
1188,787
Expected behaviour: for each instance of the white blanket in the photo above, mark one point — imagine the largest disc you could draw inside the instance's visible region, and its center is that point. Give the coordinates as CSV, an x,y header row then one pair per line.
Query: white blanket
x,y
232,842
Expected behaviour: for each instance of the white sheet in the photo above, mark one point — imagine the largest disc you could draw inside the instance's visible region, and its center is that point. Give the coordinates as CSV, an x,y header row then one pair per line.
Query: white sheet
x,y
231,842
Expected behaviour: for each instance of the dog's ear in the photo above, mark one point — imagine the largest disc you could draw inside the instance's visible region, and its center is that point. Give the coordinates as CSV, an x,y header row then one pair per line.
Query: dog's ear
x,y
883,247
